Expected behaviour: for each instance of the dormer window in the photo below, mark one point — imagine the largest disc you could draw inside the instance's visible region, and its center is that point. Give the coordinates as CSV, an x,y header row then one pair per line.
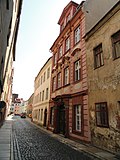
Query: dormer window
x,y
62,26
68,18
55,59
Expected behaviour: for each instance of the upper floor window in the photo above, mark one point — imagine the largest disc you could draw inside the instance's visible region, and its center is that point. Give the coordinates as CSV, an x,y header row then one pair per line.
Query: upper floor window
x,y
77,35
62,26
67,44
68,18
46,93
40,96
44,77
55,59
116,45
101,114
60,51
66,76
98,56
48,72
59,80
54,84
77,72
43,96
41,79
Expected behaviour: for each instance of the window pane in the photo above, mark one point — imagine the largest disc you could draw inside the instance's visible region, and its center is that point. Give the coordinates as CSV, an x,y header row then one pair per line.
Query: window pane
x,y
78,117
117,49
77,70
98,56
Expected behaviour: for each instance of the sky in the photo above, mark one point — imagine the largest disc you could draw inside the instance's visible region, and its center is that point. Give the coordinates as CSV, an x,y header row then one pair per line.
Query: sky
x,y
37,32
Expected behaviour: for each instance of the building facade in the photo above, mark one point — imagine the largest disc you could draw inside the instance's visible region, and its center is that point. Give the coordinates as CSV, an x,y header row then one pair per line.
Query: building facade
x,y
9,22
68,112
103,63
42,94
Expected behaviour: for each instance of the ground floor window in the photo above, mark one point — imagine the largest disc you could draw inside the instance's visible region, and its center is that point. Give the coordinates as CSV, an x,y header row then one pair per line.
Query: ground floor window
x,y
101,114
78,117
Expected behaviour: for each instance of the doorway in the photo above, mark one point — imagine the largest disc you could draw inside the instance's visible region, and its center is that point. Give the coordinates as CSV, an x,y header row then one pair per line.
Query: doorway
x,y
62,119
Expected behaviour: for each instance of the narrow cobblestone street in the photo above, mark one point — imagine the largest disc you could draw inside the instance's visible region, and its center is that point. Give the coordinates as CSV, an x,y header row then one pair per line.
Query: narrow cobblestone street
x,y
31,143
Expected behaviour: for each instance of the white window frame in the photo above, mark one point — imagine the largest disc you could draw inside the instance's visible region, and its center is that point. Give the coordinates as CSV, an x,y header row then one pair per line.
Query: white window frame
x,y
67,44
66,76
77,34
77,70
60,51
59,80
78,117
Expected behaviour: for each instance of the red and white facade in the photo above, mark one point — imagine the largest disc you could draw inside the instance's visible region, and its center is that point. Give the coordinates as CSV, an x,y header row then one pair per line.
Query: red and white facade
x,y
68,112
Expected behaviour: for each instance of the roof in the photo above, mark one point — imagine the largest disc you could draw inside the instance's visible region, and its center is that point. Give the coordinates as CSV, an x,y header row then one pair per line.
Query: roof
x,y
66,9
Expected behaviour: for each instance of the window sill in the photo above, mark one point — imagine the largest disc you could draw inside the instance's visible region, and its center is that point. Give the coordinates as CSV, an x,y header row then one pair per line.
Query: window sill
x,y
65,85
77,132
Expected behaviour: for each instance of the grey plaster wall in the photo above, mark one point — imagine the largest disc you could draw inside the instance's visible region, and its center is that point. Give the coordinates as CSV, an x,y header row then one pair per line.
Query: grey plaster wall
x,y
95,10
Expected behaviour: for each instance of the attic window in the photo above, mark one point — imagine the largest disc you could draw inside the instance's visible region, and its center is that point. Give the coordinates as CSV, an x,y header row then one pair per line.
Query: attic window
x,y
68,18
62,26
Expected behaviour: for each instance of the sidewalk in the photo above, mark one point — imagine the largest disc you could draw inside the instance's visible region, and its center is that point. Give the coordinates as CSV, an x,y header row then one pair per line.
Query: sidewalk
x,y
6,143
6,151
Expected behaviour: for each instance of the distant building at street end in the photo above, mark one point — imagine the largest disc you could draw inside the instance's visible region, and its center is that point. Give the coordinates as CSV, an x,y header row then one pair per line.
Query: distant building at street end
x,y
42,94
103,64
30,106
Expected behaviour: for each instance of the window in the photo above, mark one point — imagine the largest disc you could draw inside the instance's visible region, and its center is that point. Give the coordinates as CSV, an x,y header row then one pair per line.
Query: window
x,y
60,52
66,76
98,56
62,26
46,93
67,44
7,4
78,118
41,114
55,59
68,18
54,83
51,116
77,70
41,79
44,77
43,96
40,96
116,45
48,72
59,80
101,114
77,35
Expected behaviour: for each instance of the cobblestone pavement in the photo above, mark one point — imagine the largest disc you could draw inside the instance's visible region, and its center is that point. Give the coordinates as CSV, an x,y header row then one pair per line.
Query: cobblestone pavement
x,y
31,143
